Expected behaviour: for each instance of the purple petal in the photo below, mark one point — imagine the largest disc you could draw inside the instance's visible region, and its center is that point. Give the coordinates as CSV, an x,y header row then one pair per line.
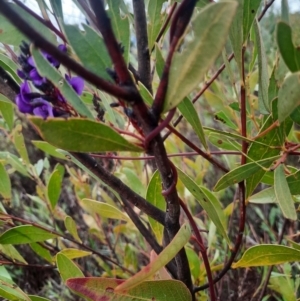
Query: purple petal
x,y
23,106
21,74
62,48
36,78
42,108
30,61
76,82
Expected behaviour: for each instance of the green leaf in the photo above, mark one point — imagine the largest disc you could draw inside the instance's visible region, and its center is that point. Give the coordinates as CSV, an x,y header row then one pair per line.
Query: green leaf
x,y
289,53
283,194
189,112
14,162
155,20
41,251
236,34
121,26
20,144
168,253
266,196
7,111
96,289
48,149
81,135
243,172
12,36
289,96
12,252
5,185
74,253
131,178
263,76
155,197
103,210
159,61
264,147
11,67
24,235
10,291
54,185
209,203
37,298
57,8
264,255
59,81
225,119
67,268
188,67
72,228
285,11
250,9
90,49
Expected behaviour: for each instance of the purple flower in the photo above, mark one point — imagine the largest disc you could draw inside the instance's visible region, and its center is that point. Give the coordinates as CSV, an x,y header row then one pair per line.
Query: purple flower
x,y
23,99
76,82
42,108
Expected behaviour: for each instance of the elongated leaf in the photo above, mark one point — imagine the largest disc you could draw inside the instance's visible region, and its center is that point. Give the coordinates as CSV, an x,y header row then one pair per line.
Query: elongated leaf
x,y
155,197
54,185
103,288
67,268
265,196
211,27
37,298
120,26
155,20
47,70
11,67
243,172
263,77
41,251
48,149
10,291
71,227
208,202
25,234
5,185
12,252
249,12
7,111
90,49
14,162
169,252
81,135
20,144
74,253
103,209
289,96
57,8
283,194
288,51
12,36
189,112
264,255
285,11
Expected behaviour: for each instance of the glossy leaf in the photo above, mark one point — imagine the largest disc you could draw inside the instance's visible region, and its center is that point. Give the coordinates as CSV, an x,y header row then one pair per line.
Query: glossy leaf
x,y
155,197
120,26
47,70
54,185
67,268
24,235
283,194
7,111
243,172
166,255
5,185
208,201
263,76
264,255
289,53
41,251
189,112
103,210
81,135
103,288
48,149
74,253
72,228
19,143
289,96
211,27
12,36
90,49
155,20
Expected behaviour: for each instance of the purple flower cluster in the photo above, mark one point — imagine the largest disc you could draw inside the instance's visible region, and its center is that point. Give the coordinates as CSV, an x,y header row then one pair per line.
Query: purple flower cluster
x,y
51,103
